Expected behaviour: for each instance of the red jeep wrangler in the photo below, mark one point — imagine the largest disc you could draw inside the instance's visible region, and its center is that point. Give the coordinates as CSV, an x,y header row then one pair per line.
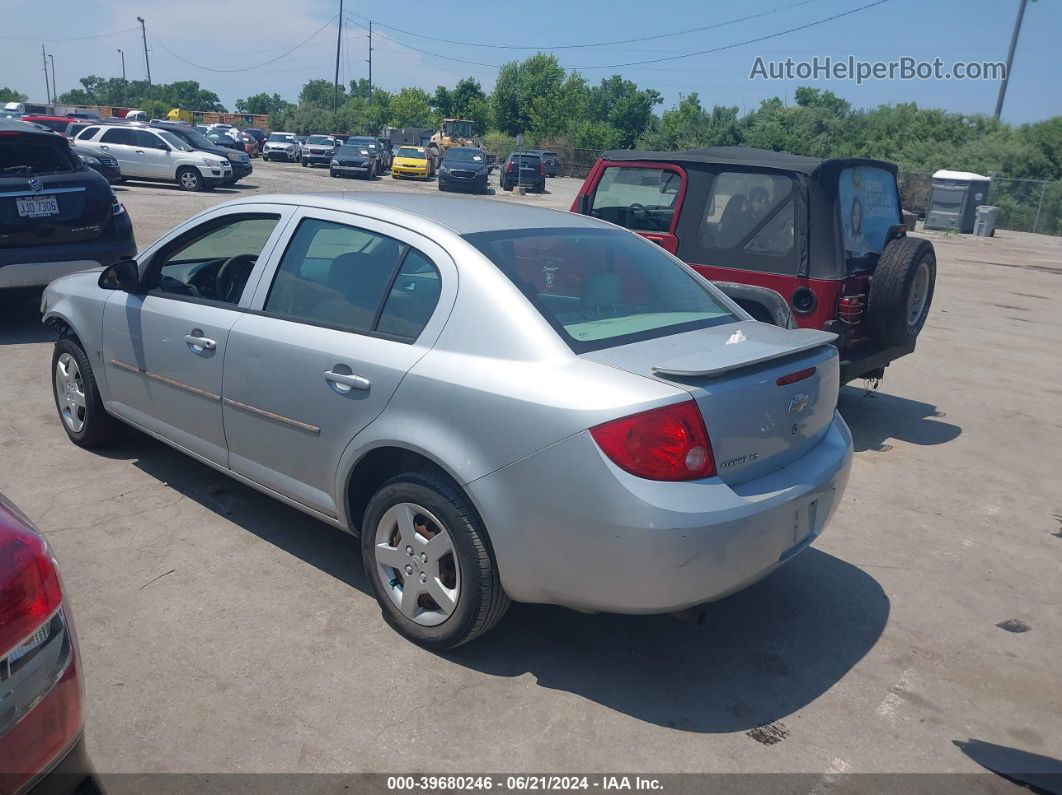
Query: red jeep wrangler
x,y
795,241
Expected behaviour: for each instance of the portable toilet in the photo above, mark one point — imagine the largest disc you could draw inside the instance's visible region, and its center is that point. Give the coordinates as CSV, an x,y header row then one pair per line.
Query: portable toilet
x,y
954,198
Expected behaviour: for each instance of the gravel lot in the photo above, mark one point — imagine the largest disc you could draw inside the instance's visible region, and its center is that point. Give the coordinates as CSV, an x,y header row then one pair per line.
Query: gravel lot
x,y
224,632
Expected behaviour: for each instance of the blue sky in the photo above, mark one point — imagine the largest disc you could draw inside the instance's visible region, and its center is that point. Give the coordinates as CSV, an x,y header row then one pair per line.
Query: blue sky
x,y
228,35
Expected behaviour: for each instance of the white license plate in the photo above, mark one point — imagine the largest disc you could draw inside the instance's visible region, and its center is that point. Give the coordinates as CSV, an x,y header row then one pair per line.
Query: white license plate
x,y
37,207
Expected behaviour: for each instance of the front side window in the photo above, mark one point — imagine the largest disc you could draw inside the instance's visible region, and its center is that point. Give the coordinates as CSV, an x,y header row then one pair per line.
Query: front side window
x,y
637,198
739,204
216,264
353,279
600,288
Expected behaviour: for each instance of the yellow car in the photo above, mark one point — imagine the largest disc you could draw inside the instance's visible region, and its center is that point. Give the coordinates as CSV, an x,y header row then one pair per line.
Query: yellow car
x,y
411,161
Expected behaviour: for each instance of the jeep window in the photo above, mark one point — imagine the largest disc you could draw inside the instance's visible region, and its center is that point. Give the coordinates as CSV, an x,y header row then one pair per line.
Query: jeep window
x,y
637,198
739,206
602,287
869,204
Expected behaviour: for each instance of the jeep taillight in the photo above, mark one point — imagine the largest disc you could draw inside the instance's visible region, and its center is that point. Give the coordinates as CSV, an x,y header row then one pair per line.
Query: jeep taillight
x,y
509,168
666,443
40,681
850,308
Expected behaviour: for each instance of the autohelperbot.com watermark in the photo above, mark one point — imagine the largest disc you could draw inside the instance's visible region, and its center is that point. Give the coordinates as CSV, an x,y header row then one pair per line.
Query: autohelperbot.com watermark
x,y
905,67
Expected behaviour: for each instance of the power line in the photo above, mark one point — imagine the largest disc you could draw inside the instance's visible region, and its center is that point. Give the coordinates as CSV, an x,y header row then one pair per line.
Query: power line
x,y
71,38
254,66
669,57
594,44
425,52
739,43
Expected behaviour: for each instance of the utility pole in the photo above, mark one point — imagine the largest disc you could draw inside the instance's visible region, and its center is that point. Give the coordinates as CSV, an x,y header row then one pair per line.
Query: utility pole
x,y
47,85
123,75
370,60
147,61
1010,58
335,85
55,83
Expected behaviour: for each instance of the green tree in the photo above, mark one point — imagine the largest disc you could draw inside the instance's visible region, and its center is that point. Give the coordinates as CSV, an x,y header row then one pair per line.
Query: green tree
x,y
262,104
520,86
10,95
624,106
411,107
319,92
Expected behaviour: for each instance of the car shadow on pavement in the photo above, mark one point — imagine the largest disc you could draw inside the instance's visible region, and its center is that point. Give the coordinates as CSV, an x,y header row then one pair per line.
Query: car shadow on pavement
x,y
762,654
328,549
874,417
20,317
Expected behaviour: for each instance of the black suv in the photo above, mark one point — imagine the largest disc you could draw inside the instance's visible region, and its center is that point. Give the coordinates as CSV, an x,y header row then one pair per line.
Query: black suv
x,y
57,215
524,169
240,160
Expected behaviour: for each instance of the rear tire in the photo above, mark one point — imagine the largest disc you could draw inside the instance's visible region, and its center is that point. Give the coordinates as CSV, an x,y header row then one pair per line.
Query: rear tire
x,y
190,179
81,413
901,291
480,601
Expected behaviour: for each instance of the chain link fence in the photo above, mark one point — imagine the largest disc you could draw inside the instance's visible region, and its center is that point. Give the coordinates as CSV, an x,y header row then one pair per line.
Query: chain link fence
x,y
1025,205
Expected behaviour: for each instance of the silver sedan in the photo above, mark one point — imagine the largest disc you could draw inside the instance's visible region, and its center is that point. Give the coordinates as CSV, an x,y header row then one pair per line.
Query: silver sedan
x,y
503,402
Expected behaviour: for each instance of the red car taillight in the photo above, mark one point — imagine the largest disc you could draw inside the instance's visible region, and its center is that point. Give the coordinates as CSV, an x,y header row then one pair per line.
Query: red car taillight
x,y
850,308
509,168
667,443
542,169
40,680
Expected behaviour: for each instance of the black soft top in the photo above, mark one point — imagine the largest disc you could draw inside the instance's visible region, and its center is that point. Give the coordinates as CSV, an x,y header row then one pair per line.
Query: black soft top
x,y
747,156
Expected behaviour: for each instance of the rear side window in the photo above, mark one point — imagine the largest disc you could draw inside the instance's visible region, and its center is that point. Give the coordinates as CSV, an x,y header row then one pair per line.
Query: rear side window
x,y
600,288
36,154
117,136
637,198
739,206
870,205
355,280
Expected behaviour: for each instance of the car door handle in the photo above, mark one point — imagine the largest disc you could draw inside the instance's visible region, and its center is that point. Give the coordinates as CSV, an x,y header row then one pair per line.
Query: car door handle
x,y
205,343
140,151
348,380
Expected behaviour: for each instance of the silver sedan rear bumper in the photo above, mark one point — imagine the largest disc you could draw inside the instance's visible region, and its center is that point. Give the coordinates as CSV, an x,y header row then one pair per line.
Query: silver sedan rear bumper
x,y
609,541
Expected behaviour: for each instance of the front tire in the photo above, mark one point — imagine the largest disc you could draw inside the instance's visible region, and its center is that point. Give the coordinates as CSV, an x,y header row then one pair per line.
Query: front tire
x,y
77,398
429,562
190,179
332,172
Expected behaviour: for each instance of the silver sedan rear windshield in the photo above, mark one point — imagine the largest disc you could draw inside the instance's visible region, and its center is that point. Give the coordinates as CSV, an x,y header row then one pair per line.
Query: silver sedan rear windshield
x,y
600,288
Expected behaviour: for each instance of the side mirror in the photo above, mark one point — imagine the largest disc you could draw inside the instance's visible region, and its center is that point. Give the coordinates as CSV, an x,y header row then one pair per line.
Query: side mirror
x,y
122,275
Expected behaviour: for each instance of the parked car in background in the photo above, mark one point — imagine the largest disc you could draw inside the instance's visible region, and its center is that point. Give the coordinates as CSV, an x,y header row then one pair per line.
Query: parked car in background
x,y
105,165
57,215
551,161
794,240
411,161
155,154
352,160
386,154
238,160
91,115
524,169
250,145
319,150
74,127
640,408
42,714
56,123
464,168
258,135
223,139
383,159
282,146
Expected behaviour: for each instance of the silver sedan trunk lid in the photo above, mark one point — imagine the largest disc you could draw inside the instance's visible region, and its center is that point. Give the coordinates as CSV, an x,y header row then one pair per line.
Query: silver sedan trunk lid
x,y
758,419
